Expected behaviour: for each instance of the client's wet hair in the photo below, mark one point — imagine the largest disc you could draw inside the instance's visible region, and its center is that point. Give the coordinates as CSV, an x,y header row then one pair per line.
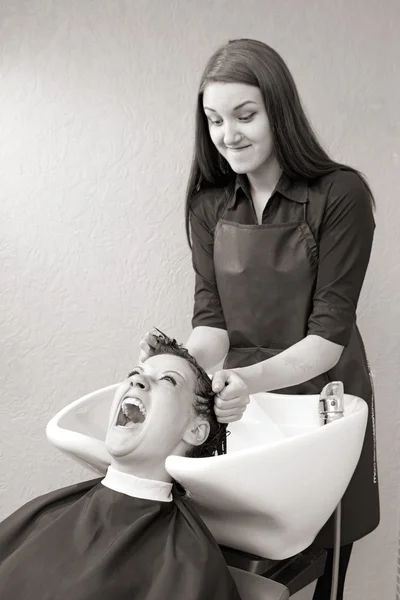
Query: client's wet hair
x,y
204,398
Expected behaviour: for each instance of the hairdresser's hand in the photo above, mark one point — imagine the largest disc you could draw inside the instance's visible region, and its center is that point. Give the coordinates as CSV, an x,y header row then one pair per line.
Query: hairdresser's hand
x,y
232,396
147,345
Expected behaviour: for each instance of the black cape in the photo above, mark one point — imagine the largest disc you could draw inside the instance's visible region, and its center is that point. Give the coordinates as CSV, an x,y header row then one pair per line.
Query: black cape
x,y
88,542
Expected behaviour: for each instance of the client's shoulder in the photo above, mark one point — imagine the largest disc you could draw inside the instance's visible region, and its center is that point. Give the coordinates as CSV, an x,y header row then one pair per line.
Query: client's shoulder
x,y
198,552
191,521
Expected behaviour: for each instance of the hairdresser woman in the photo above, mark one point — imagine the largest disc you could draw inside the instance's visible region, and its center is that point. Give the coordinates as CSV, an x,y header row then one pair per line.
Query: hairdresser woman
x,y
281,237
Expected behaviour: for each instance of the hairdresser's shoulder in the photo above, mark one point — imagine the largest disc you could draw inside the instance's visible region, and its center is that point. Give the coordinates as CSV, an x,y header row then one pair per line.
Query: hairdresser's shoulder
x,y
343,185
208,204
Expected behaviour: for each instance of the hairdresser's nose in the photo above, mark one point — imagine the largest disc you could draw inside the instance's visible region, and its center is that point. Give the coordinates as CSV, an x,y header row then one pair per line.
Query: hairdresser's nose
x,y
231,134
140,381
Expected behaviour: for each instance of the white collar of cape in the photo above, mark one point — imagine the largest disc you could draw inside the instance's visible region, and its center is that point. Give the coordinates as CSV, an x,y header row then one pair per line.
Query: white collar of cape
x,y
130,485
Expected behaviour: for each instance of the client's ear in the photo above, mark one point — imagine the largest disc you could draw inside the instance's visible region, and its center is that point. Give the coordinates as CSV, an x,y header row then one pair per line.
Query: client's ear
x,y
197,433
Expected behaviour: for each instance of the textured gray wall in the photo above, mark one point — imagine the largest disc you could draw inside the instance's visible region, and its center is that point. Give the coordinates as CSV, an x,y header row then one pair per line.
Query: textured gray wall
x,y
96,125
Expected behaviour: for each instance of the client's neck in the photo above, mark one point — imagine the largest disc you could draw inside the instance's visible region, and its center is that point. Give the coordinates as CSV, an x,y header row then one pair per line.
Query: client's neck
x,y
155,472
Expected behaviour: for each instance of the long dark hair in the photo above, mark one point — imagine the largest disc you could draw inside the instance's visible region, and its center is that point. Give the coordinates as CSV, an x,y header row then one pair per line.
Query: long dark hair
x,y
297,149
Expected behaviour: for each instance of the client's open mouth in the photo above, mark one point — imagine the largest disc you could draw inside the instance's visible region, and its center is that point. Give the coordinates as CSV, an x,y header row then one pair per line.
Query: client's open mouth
x,y
131,413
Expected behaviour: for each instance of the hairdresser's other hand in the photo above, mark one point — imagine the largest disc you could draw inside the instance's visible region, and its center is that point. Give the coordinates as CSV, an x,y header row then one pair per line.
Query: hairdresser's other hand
x,y
147,345
232,396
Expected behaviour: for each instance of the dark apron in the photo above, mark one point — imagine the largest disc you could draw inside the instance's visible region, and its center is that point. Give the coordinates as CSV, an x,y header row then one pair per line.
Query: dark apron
x,y
266,277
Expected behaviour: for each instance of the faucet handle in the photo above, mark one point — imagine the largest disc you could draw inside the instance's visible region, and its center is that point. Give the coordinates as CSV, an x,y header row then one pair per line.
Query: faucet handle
x,y
331,402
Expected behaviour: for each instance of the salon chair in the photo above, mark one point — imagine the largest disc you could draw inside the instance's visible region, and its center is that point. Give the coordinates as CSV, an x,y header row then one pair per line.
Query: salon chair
x,y
264,526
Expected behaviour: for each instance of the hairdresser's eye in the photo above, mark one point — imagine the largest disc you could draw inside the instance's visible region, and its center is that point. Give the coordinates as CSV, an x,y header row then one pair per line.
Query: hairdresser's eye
x,y
247,118
169,378
215,122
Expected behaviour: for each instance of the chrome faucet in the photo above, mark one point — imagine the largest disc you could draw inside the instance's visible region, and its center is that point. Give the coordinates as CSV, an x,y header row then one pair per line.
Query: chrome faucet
x,y
331,402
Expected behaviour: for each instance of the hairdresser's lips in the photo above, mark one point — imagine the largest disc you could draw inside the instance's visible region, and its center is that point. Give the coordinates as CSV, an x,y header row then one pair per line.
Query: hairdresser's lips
x,y
237,150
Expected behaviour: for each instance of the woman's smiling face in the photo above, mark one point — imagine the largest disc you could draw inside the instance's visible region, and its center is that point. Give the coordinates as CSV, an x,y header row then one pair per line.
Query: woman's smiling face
x,y
239,126
152,410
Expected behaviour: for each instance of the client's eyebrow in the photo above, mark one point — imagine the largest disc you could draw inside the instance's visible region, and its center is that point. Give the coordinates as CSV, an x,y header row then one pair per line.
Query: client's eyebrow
x,y
133,371
175,372
163,373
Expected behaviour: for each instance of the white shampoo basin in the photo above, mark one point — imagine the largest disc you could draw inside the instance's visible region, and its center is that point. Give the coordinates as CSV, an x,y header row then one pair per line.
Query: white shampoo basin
x,y
272,492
